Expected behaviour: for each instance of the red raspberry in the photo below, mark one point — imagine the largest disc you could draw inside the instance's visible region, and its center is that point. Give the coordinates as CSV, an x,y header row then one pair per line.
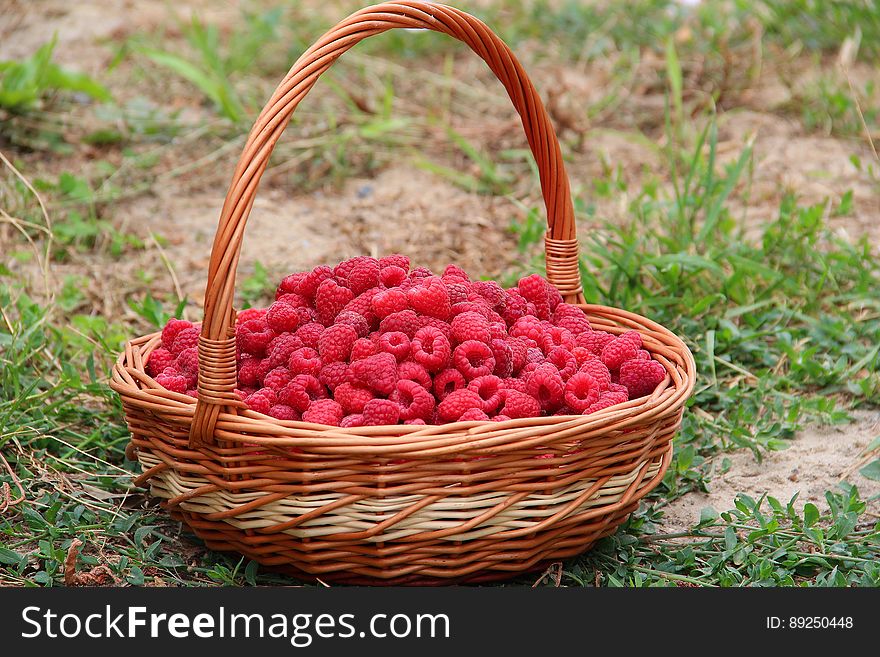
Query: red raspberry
x,y
498,331
159,359
519,404
420,273
448,381
556,337
335,342
394,343
566,310
618,351
634,336
473,414
358,322
514,384
171,329
456,403
185,339
430,298
187,364
330,299
244,392
535,356
349,421
500,418
282,318
305,361
362,305
310,334
412,371
363,348
503,355
277,378
491,292
172,380
254,336
334,374
606,399
282,347
554,298
344,269
582,355
413,399
515,307
291,284
577,324
310,283
283,412
564,361
394,260
364,276
418,421
292,300
392,276
458,292
404,321
594,341
352,398
431,349
455,272
470,326
519,353
644,355
302,390
388,302
324,411
261,401
378,412
479,306
535,289
489,389
597,369
546,385
527,327
616,387
248,314
473,359
581,392
248,372
377,372
641,377
433,322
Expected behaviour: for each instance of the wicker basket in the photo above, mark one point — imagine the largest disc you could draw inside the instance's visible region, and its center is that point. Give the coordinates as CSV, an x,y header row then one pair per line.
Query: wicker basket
x,y
468,501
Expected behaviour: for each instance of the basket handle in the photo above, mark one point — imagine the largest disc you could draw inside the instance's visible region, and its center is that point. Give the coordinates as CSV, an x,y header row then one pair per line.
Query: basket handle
x,y
217,367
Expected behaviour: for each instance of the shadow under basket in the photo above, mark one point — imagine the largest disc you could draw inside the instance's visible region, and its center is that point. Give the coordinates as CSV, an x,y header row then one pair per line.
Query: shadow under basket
x,y
461,502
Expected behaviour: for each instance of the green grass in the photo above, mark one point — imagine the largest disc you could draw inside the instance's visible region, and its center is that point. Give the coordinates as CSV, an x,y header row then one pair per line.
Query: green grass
x,y
783,318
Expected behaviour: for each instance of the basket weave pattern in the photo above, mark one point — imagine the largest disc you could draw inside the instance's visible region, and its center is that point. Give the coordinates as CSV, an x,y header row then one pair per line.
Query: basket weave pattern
x,y
466,501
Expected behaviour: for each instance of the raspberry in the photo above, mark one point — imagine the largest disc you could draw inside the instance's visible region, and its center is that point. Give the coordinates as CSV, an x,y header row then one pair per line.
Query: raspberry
x,y
291,284
379,412
362,305
185,339
324,411
545,385
277,378
395,260
515,307
577,324
503,355
644,355
335,342
491,292
292,300
618,351
554,298
404,321
248,314
564,361
261,401
470,326
334,374
473,414
535,356
254,336
594,341
582,355
363,348
349,421
581,392
606,399
430,298
500,418
418,420
535,289
358,322
473,359
566,310
597,369
497,331
159,359
283,412
282,318
310,334
352,398
527,327
310,283
519,353
172,380
248,371
282,347
455,272
394,343
420,273
377,372
413,399
392,276
412,371
187,364
456,403
448,381
330,299
344,269
519,404
431,349
171,329
616,387
556,337
364,275
479,306
489,389
641,377
244,392
633,336
305,361
514,384
439,324
388,302
302,390
458,292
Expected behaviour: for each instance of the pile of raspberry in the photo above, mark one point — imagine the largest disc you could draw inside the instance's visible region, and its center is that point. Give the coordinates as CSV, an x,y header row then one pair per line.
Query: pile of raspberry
x,y
373,342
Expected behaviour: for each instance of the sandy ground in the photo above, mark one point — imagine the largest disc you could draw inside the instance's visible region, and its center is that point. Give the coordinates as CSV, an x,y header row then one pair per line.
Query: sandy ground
x,y
403,209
